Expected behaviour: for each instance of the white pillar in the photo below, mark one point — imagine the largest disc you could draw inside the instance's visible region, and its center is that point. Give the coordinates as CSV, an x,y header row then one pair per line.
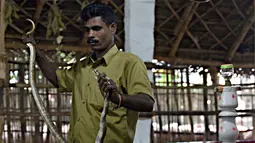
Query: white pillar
x,y
139,39
139,28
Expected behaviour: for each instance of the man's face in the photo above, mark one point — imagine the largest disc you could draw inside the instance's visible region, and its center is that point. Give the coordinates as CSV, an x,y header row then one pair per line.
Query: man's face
x,y
99,35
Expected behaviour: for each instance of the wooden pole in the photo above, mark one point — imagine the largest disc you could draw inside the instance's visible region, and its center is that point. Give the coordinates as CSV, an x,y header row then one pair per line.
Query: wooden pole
x,y
190,103
185,20
21,76
215,80
201,62
205,91
2,60
2,48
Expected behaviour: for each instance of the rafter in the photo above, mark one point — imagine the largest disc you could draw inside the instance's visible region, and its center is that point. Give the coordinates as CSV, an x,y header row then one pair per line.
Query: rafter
x,y
246,26
224,38
222,17
237,8
188,32
186,18
210,32
50,47
213,46
204,35
39,8
27,14
248,39
116,7
185,61
204,14
183,19
20,31
67,18
170,17
240,12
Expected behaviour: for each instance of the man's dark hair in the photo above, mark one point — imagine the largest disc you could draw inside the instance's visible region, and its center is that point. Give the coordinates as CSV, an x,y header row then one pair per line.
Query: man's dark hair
x,y
98,9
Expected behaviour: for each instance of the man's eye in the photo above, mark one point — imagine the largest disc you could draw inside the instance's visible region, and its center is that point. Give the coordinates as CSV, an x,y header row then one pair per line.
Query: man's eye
x,y
86,29
96,28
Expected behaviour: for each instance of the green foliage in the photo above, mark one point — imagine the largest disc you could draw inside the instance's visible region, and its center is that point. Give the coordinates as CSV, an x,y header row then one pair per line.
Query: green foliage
x,y
10,12
55,21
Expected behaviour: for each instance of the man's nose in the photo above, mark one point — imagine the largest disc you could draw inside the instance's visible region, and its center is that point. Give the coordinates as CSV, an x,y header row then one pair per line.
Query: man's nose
x,y
91,33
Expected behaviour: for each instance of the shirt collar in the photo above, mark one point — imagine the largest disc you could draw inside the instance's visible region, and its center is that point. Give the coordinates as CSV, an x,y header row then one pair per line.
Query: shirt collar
x,y
107,57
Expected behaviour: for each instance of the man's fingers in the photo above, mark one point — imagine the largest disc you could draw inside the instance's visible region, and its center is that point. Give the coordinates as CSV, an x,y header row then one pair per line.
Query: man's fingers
x,y
104,86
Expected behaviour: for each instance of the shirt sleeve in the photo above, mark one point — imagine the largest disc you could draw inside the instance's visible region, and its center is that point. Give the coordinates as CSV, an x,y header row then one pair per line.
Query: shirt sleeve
x,y
65,79
137,78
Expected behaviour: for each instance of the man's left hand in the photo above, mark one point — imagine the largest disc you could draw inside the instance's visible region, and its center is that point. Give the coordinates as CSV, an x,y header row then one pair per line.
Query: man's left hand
x,y
108,86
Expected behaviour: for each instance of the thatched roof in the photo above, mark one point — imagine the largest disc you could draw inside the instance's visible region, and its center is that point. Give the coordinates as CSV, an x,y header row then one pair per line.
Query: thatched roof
x,y
186,32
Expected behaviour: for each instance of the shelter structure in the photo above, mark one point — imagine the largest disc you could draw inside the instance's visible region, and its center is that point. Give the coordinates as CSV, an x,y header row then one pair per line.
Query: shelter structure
x,y
192,38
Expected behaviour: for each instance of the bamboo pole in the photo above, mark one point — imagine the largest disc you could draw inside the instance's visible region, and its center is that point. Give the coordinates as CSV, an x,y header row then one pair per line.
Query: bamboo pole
x,y
176,100
190,103
158,107
205,92
22,94
185,20
2,60
215,80
201,62
187,30
168,103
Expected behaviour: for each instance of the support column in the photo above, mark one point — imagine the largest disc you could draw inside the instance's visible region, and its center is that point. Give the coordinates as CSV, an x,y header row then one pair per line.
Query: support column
x,y
2,62
139,39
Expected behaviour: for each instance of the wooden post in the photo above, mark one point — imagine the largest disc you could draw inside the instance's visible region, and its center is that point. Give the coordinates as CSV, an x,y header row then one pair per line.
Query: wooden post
x,y
158,106
168,104
215,80
2,59
205,91
22,94
190,104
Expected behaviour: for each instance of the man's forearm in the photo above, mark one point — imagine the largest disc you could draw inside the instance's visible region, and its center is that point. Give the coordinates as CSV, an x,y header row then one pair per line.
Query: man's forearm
x,y
48,68
139,102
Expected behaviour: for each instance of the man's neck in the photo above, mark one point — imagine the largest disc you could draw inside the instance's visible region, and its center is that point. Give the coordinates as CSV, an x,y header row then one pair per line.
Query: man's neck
x,y
100,54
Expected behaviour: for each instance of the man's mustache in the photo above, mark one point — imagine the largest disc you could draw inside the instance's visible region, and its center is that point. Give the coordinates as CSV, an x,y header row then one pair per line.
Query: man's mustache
x,y
92,41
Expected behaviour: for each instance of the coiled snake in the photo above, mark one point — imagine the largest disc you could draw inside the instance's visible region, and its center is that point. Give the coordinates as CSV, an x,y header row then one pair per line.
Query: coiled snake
x,y
42,110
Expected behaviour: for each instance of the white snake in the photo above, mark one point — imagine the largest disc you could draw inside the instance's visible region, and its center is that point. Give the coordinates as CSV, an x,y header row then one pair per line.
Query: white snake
x,y
42,110
37,98
102,125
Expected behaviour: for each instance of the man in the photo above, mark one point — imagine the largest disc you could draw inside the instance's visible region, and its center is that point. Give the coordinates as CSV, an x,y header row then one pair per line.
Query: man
x,y
127,75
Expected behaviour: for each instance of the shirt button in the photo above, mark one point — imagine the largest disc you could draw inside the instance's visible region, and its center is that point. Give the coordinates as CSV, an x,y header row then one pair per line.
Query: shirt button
x,y
88,84
83,102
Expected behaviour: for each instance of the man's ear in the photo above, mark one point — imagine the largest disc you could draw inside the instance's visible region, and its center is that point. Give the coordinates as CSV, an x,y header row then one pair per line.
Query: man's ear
x,y
113,28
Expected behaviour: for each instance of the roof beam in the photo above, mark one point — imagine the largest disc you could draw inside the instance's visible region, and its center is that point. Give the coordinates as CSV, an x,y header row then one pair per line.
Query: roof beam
x,y
188,32
50,47
185,20
210,32
246,26
222,17
185,61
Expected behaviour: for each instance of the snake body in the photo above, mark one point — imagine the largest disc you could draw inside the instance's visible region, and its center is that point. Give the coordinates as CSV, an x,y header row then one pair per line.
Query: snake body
x,y
102,124
37,98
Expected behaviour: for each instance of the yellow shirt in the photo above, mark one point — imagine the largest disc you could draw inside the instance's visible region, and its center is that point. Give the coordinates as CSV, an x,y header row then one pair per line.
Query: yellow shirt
x,y
128,72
